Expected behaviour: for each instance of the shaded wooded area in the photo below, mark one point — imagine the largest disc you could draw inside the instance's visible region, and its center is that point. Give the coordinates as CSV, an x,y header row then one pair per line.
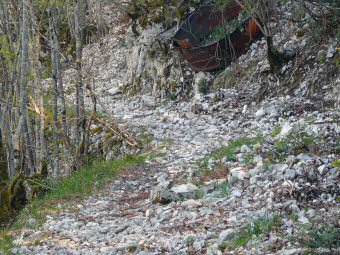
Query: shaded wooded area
x,y
44,132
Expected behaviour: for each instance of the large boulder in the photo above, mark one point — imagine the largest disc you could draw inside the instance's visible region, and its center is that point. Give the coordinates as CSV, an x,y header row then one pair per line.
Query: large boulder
x,y
163,195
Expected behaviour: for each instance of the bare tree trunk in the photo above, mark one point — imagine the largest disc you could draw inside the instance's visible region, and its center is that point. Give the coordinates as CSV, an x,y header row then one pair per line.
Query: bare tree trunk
x,y
36,93
8,80
4,21
81,125
54,60
62,92
23,84
7,124
261,11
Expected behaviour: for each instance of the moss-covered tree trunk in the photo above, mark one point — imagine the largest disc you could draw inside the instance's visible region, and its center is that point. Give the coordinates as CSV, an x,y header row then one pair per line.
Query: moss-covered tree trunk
x,y
276,59
3,164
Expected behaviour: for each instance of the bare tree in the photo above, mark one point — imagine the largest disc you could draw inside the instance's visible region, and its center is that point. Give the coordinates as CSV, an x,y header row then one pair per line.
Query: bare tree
x,y
23,85
55,67
81,125
8,78
262,12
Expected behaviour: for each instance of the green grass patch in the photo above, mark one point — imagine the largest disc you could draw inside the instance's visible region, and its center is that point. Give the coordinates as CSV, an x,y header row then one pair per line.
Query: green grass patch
x,y
66,191
326,236
225,189
276,131
258,227
6,242
267,165
91,178
301,142
198,194
229,152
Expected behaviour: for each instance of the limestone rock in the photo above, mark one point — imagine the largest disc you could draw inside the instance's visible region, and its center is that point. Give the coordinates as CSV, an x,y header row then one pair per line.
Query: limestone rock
x,y
163,195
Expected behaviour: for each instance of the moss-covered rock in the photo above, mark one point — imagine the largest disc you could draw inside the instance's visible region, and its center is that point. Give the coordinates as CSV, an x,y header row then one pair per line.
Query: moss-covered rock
x,y
12,199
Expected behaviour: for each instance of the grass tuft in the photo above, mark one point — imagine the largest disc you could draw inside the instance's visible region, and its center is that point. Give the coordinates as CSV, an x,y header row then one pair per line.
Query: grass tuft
x,y
6,242
229,152
260,226
326,236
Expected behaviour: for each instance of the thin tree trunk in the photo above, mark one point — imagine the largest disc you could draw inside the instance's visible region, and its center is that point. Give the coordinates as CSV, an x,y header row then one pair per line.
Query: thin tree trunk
x,y
8,121
36,93
23,84
54,53
81,125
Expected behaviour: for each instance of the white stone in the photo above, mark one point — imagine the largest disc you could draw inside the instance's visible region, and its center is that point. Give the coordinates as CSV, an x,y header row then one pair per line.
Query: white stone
x,y
236,174
198,245
245,108
191,203
184,188
260,113
236,193
322,169
226,235
149,213
331,51
286,130
114,91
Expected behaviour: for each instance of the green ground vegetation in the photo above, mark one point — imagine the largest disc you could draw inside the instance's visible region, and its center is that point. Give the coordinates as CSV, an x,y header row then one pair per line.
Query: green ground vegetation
x,y
84,182
257,228
229,152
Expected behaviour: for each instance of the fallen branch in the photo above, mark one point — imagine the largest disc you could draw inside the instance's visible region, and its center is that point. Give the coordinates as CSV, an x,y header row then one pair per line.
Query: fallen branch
x,y
123,135
39,184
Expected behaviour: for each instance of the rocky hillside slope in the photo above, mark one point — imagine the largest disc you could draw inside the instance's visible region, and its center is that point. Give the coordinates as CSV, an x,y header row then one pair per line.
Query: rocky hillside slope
x,y
248,164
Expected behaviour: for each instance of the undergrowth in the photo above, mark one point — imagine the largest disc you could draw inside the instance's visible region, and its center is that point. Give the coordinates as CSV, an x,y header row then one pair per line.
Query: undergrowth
x,y
87,181
229,152
258,227
325,236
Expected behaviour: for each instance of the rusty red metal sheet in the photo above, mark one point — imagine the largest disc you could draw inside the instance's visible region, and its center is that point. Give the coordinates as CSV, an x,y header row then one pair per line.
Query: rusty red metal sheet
x,y
216,55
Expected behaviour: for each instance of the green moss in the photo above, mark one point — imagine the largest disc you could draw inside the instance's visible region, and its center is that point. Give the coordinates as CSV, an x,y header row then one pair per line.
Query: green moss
x,y
96,130
336,163
3,166
12,199
38,183
137,84
204,87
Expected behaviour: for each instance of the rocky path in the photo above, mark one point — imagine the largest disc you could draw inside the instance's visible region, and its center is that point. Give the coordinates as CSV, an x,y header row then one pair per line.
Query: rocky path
x,y
209,215
272,188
